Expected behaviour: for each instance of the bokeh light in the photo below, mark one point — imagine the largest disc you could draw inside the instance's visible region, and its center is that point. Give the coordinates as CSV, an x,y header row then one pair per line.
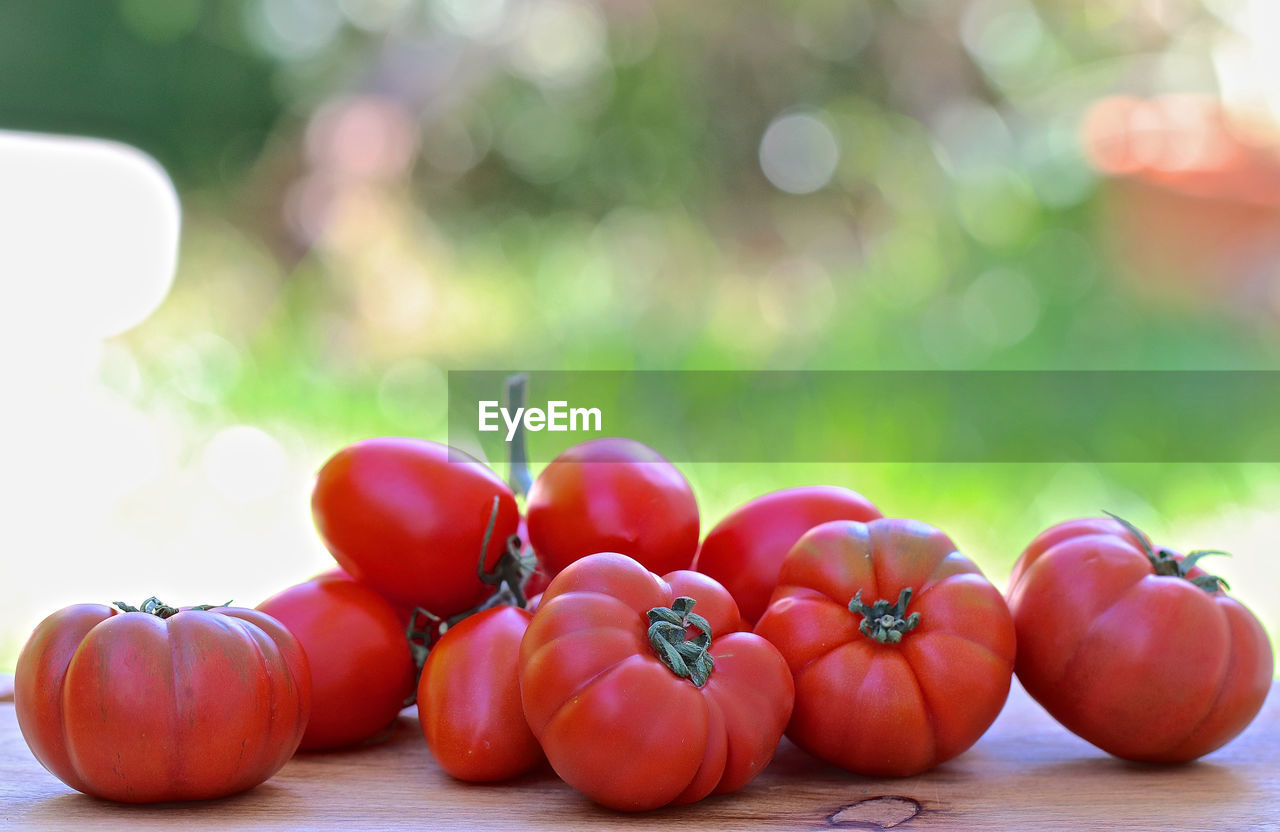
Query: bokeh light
x,y
799,153
90,238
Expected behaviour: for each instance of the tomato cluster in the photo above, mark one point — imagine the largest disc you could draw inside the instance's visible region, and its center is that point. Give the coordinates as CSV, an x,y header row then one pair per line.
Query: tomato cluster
x,y
646,670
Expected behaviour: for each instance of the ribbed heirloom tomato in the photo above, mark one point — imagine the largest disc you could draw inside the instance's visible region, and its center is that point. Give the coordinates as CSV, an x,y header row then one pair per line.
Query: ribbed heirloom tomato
x,y
361,666
902,651
1134,647
469,698
640,701
744,551
408,518
161,704
613,495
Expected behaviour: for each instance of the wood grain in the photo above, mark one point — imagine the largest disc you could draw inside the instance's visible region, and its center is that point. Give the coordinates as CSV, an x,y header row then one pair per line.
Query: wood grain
x,y
1027,773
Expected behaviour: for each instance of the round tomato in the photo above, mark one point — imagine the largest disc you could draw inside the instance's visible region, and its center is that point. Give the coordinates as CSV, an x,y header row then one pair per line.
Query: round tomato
x,y
744,551
161,704
404,612
408,517
469,698
638,699
902,651
1134,647
1054,535
362,670
613,495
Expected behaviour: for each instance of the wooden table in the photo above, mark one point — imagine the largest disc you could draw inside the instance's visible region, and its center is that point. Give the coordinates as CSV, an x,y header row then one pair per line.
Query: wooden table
x,y
1027,773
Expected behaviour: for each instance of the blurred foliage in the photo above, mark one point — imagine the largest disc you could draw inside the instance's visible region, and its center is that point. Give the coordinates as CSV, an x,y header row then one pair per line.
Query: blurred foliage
x,y
178,79
379,190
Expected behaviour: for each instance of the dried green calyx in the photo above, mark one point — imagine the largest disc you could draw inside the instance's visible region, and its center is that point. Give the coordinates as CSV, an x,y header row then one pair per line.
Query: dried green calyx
x,y
883,621
154,606
688,658
1164,563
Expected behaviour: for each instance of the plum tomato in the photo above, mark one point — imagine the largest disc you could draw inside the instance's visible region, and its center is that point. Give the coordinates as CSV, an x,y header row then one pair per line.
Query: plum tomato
x,y
469,698
362,670
408,518
613,495
744,551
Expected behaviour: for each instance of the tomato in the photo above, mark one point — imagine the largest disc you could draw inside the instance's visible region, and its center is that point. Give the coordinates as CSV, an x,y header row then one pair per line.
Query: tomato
x,y
902,651
409,520
536,583
162,704
633,729
404,612
744,551
1054,535
1134,647
362,670
469,698
613,495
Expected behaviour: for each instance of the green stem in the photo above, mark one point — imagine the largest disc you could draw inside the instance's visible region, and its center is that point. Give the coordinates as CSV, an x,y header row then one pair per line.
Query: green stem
x,y
688,658
508,575
518,476
154,606
1164,563
885,622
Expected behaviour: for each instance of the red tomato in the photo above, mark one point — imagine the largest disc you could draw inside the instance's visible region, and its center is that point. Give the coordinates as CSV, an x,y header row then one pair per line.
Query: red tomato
x,y
1133,647
536,583
404,612
362,670
1054,535
633,730
745,550
901,649
403,517
613,495
469,698
144,707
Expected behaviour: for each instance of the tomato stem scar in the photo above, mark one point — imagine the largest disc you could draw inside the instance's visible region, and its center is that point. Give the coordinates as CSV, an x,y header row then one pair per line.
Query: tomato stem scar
x,y
688,658
885,622
1165,564
154,606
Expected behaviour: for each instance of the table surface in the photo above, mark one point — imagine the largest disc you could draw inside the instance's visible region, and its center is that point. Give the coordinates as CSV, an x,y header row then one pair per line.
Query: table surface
x,y
1027,773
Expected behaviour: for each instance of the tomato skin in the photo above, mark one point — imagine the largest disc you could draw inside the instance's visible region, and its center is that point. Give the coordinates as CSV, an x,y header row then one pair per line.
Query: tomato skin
x,y
885,709
469,699
1146,667
399,515
404,612
361,667
138,709
615,722
536,583
1066,530
744,551
613,495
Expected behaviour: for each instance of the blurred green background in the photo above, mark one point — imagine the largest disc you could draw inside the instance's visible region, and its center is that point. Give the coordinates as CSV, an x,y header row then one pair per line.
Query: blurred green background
x,y
377,191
